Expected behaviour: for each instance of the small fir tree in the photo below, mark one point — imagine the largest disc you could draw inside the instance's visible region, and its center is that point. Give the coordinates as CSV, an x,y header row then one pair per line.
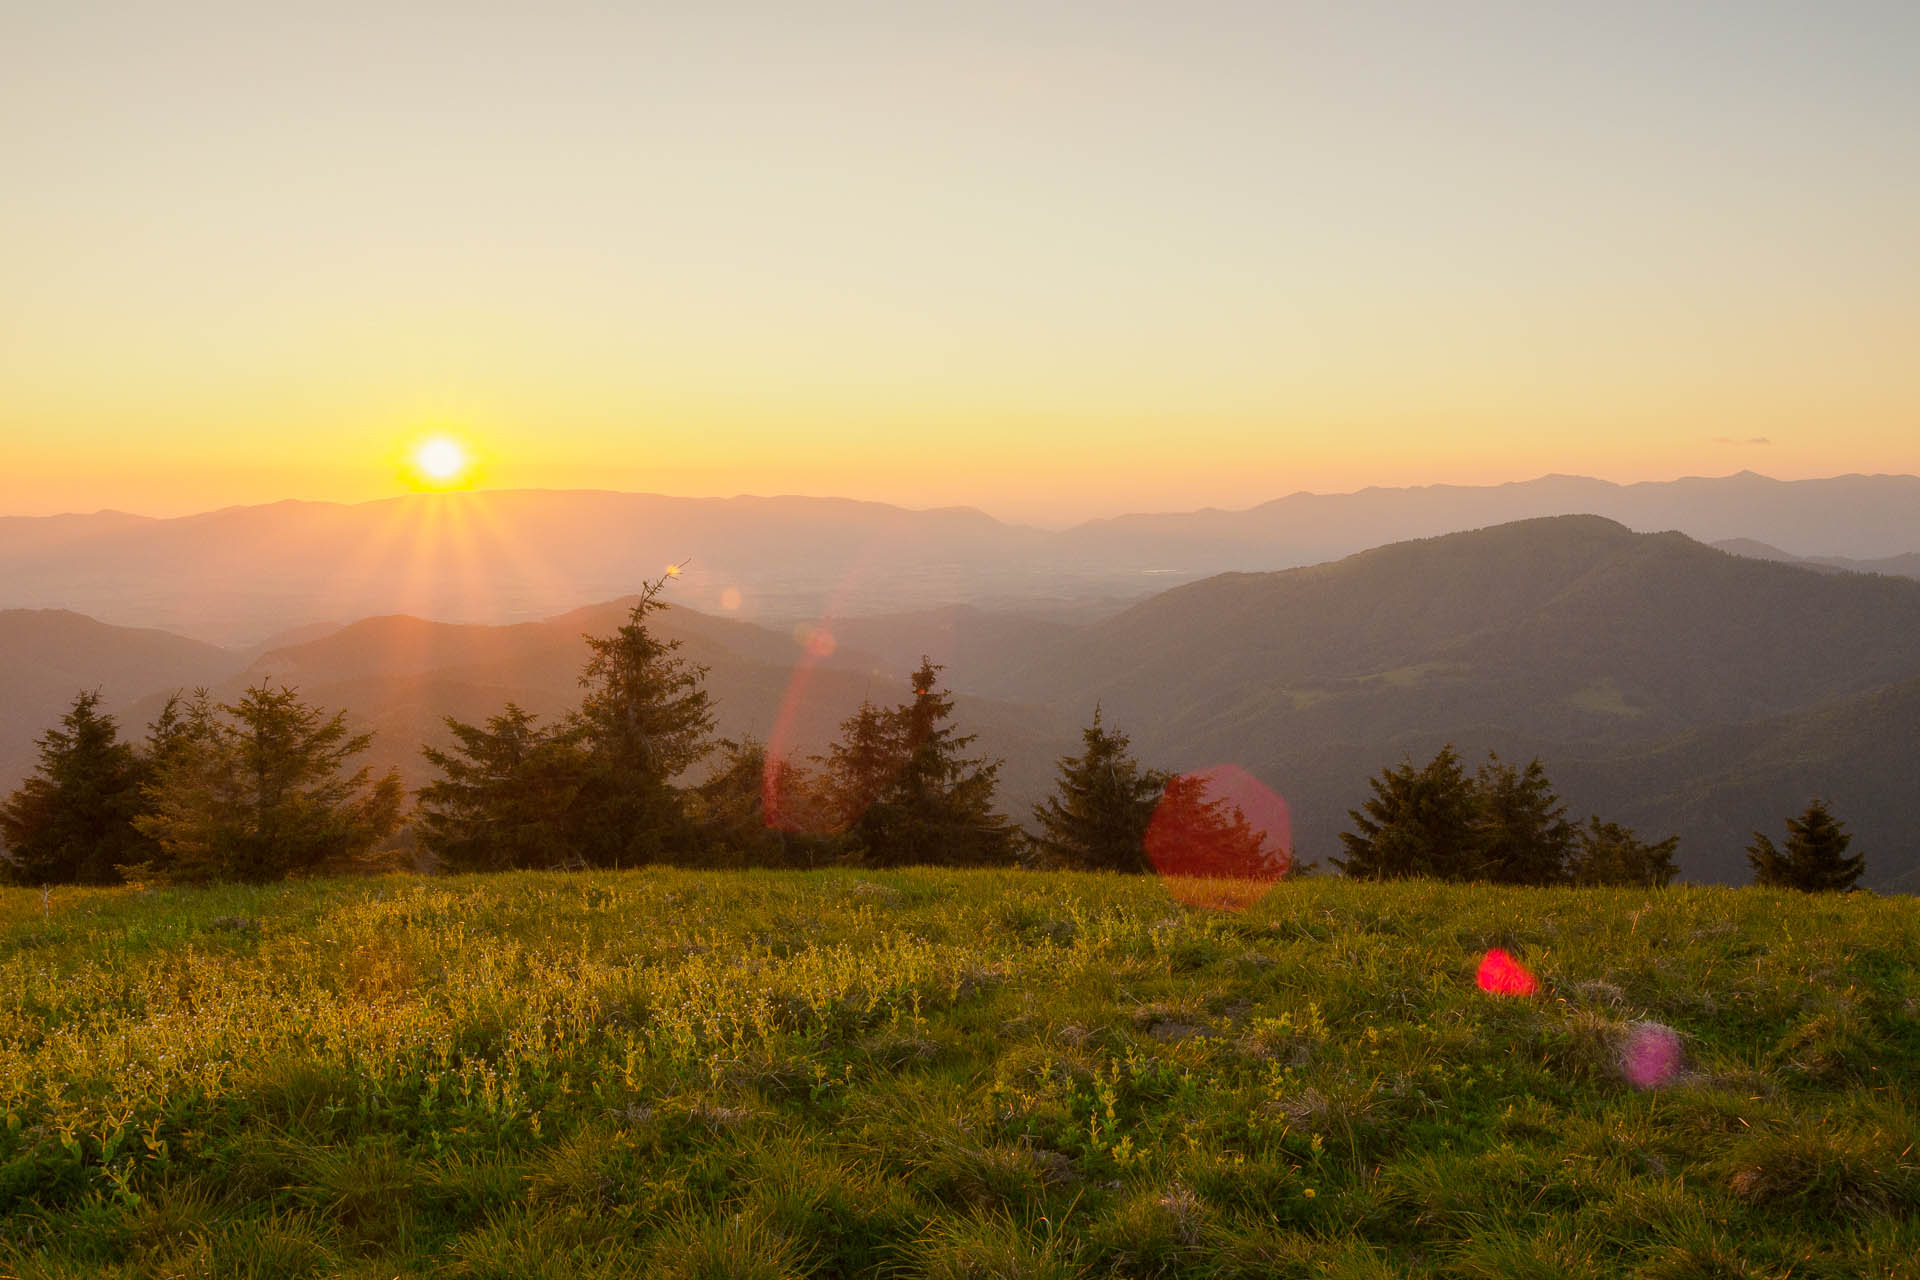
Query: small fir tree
x,y
182,718
1815,859
260,791
1606,853
1418,822
937,806
72,821
757,812
860,767
1191,835
1097,818
505,796
1521,835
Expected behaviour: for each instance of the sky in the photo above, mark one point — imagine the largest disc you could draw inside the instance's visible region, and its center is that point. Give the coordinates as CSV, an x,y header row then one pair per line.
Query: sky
x,y
1050,260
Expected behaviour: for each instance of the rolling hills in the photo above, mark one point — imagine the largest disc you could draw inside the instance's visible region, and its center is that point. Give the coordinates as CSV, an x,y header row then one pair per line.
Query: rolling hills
x,y
1902,566
1663,682
1650,673
48,655
400,677
236,576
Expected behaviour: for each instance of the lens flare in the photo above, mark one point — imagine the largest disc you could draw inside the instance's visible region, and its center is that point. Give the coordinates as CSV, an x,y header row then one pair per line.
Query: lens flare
x,y
1220,837
1502,975
815,641
1651,1055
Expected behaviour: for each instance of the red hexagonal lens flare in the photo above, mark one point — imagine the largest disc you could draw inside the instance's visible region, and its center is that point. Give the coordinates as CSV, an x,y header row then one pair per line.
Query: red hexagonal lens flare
x,y
1220,838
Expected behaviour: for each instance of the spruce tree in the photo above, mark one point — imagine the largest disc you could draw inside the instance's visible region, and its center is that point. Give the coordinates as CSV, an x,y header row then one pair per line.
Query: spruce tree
x,y
1606,853
505,796
72,821
181,719
757,812
645,719
1521,835
1815,859
937,806
863,763
259,790
1418,822
1097,818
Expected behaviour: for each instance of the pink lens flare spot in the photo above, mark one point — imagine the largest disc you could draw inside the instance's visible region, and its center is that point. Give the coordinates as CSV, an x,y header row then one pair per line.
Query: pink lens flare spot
x,y
1220,824
1651,1055
1501,974
815,641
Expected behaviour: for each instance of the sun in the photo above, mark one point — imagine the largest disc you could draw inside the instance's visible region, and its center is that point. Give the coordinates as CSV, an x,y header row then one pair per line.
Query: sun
x,y
441,463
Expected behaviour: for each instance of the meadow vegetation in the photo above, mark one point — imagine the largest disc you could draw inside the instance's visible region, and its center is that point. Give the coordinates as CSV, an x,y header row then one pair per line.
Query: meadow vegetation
x,y
950,1073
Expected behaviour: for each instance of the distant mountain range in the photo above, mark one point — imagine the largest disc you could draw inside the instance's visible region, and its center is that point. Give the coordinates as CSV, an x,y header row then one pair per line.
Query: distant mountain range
x,y
1663,682
1902,566
1860,516
239,576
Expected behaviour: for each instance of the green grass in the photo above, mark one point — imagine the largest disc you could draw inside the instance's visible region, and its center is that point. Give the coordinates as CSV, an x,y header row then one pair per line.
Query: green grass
x,y
948,1074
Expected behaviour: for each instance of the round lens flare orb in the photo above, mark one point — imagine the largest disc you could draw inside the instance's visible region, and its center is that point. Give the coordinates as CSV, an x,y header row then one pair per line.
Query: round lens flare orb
x,y
441,461
1652,1055
1501,975
1220,838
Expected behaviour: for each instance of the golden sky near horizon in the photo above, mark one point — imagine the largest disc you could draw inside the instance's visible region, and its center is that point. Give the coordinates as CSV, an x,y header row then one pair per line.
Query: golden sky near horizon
x,y
1051,261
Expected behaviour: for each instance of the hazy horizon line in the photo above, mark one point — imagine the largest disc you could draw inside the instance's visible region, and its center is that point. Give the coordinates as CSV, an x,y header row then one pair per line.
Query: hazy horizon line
x,y
976,509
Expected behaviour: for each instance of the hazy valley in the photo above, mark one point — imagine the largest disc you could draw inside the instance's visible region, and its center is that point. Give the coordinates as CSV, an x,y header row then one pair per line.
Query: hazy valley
x,y
1664,682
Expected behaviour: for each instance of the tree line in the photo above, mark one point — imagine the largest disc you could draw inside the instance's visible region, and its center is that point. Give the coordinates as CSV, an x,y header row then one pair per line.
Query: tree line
x,y
261,788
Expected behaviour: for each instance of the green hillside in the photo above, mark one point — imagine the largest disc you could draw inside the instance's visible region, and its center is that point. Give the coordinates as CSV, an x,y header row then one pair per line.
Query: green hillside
x,y
1661,681
1525,621
1715,785
48,655
950,1074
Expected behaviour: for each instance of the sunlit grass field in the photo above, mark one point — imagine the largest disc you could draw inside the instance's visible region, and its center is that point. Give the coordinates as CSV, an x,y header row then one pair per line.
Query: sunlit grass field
x,y
949,1074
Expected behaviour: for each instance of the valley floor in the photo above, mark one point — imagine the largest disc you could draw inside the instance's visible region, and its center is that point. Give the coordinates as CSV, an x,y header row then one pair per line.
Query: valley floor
x,y
950,1074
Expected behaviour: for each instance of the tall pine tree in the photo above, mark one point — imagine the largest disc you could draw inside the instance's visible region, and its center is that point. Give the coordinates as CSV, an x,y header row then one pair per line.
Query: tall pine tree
x,y
863,763
646,718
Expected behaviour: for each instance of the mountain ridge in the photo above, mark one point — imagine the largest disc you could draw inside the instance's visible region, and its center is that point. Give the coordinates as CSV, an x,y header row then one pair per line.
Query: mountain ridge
x,y
235,576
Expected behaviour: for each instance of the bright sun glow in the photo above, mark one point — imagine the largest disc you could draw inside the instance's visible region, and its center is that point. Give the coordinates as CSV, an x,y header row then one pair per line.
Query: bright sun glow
x,y
441,459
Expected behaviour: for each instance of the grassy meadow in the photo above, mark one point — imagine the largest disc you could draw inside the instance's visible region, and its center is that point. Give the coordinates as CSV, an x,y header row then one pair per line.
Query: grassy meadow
x,y
949,1074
